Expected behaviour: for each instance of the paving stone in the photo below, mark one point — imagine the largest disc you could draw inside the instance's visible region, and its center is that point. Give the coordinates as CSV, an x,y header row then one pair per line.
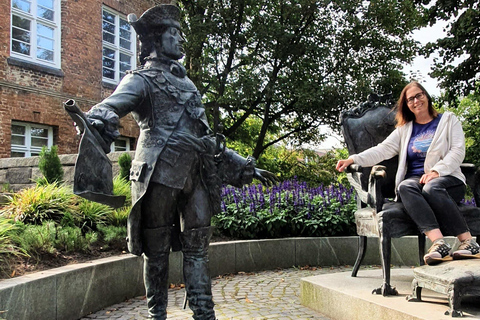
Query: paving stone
x,y
259,296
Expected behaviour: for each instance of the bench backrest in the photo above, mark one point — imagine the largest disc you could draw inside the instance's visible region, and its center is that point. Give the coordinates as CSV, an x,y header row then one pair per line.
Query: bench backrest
x,y
364,127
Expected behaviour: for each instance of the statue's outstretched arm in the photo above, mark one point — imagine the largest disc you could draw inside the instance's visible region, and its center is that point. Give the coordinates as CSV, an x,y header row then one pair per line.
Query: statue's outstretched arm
x,y
129,95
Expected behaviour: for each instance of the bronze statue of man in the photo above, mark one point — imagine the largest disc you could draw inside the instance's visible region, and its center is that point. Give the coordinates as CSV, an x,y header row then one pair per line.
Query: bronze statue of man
x,y
179,164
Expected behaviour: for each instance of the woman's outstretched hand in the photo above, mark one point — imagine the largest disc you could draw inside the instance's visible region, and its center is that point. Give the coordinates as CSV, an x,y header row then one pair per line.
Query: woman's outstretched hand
x,y
343,164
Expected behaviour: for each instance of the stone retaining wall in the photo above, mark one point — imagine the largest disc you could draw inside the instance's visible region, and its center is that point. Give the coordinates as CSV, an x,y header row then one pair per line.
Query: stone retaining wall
x,y
20,173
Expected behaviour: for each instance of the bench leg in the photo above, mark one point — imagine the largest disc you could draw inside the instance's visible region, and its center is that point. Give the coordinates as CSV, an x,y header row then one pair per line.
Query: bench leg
x,y
421,248
385,254
362,248
454,302
416,295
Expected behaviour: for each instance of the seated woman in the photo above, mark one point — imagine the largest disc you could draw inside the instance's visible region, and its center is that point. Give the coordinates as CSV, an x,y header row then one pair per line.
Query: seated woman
x,y
429,181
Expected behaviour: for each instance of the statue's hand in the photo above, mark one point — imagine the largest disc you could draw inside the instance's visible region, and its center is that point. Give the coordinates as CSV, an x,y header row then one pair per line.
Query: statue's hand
x,y
266,177
103,129
97,124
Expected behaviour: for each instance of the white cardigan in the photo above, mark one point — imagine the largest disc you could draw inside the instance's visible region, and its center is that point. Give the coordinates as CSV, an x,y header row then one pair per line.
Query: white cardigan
x,y
445,154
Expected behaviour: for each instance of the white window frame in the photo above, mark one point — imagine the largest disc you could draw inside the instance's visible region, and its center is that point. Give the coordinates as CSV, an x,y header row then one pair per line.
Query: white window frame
x,y
127,144
117,48
32,16
27,148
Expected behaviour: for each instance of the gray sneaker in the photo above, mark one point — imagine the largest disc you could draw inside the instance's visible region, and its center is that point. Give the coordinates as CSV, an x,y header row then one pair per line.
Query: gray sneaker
x,y
438,252
468,249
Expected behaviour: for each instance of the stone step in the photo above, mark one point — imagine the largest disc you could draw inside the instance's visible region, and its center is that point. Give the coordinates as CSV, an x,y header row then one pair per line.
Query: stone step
x,y
342,297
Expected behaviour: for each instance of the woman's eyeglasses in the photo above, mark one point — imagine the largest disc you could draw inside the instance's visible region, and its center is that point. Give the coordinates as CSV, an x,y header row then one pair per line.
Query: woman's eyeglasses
x,y
418,96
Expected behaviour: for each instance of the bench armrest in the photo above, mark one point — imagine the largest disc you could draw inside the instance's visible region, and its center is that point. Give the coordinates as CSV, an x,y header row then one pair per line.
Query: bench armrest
x,y
375,197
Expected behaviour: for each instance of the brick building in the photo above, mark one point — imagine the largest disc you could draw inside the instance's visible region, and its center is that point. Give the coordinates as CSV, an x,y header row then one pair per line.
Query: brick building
x,y
54,50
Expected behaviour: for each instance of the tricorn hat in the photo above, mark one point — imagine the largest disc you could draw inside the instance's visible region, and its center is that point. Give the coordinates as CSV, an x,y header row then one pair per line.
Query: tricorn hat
x,y
153,18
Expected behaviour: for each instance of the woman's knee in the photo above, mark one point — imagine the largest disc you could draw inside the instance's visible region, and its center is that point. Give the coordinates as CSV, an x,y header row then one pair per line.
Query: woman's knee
x,y
408,186
431,190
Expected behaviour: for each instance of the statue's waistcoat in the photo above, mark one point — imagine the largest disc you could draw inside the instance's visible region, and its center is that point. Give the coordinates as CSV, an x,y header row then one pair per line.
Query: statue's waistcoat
x,y
172,102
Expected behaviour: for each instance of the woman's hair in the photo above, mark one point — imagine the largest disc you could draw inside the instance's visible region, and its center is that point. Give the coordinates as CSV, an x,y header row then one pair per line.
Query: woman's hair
x,y
404,114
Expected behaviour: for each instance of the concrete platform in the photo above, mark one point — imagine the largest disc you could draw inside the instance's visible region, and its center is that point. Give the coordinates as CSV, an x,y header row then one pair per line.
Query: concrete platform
x,y
341,297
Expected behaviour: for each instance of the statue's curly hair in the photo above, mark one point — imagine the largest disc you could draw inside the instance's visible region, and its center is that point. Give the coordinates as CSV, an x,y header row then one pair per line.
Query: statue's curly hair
x,y
149,42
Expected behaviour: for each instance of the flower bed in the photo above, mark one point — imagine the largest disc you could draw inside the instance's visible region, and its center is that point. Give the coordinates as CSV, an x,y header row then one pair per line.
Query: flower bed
x,y
290,209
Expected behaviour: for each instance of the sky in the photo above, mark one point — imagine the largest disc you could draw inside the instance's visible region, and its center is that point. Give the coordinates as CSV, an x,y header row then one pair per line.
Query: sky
x,y
421,65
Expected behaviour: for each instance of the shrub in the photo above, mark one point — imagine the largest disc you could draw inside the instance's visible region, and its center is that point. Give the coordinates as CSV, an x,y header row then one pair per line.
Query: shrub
x,y
118,217
92,214
40,203
71,239
125,163
7,245
49,238
37,239
50,165
114,236
305,165
289,209
122,187
6,188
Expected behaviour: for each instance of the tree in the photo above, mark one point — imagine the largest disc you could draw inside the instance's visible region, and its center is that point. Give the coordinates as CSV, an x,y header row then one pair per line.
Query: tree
x,y
468,111
461,42
50,165
293,64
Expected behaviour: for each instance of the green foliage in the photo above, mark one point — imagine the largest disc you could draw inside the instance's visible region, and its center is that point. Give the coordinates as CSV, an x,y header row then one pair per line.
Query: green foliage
x,y
293,65
50,218
71,239
50,165
118,217
461,42
37,239
122,187
8,249
113,236
468,112
93,214
125,163
5,188
301,164
113,233
50,238
40,203
57,203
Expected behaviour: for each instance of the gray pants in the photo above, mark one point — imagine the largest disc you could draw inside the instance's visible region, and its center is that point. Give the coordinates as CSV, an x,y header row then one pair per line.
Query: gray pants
x,y
434,205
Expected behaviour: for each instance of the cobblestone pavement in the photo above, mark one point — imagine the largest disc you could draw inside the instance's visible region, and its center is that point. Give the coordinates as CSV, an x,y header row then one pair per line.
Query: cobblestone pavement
x,y
261,295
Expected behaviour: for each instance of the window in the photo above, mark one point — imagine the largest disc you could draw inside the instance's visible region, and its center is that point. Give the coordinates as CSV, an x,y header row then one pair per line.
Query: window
x,y
119,46
120,144
35,31
29,138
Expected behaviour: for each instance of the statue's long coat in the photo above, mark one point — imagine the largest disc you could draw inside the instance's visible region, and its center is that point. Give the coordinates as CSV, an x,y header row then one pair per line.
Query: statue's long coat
x,y
157,100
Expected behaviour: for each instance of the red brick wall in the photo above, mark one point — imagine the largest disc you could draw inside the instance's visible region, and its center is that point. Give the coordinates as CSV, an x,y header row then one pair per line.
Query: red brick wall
x,y
35,96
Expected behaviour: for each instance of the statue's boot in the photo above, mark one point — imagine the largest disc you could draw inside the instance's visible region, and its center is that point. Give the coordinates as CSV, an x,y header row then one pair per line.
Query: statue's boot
x,y
195,272
156,243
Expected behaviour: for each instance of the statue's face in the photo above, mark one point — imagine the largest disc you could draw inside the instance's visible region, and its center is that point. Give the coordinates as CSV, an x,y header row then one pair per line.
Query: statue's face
x,y
172,43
